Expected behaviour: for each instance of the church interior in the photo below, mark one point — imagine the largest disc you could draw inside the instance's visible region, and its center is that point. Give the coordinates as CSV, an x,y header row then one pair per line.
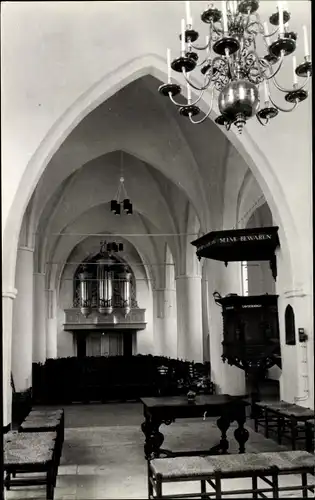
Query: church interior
x,y
157,250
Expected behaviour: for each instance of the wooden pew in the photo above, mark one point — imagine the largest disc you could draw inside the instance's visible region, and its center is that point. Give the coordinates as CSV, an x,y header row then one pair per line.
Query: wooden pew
x,y
211,470
45,421
287,420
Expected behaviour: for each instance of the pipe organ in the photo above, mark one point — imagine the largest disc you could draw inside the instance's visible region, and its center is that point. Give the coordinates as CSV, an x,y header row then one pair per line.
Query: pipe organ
x,y
106,284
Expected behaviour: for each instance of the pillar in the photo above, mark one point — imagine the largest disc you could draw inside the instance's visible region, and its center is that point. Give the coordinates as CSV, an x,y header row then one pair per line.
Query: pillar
x,y
170,323
39,317
165,322
8,297
51,325
189,318
22,335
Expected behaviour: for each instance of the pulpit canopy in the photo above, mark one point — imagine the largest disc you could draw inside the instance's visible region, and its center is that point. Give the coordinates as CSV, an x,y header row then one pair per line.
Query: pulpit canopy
x,y
235,245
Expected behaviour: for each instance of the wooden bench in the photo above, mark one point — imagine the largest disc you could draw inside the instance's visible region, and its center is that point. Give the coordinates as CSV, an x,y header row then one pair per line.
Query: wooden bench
x,y
211,470
29,453
45,421
265,420
287,420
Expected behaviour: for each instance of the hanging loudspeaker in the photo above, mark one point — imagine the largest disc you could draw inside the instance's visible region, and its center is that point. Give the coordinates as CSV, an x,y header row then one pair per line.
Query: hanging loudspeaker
x,y
113,205
126,204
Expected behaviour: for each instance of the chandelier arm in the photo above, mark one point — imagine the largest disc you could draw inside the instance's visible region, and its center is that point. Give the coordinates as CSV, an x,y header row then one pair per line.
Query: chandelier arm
x,y
185,105
262,123
246,21
218,32
207,46
278,68
253,32
199,48
282,109
202,62
208,112
194,86
290,90
262,26
174,102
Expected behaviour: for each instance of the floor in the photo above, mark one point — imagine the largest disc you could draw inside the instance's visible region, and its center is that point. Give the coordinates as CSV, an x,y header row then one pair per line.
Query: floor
x,y
103,453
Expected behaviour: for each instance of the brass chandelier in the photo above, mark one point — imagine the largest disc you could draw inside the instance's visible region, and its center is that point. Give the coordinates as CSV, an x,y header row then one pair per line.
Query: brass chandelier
x,y
232,68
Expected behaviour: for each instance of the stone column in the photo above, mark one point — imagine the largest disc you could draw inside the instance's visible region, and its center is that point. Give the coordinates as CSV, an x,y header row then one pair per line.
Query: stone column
x,y
8,297
189,318
158,319
170,323
22,335
51,325
165,322
39,315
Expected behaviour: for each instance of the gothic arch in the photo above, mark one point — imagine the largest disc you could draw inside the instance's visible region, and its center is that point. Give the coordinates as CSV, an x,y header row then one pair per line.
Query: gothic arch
x,y
98,93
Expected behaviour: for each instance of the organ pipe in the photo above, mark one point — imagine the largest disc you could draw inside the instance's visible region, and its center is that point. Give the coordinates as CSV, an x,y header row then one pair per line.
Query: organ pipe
x,y
85,293
125,293
105,287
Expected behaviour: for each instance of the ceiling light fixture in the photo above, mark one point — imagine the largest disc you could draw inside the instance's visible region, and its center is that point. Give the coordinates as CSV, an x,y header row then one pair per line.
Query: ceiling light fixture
x,y
232,66
121,202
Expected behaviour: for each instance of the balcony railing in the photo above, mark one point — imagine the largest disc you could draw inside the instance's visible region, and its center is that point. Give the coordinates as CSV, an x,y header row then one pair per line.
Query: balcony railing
x,y
74,320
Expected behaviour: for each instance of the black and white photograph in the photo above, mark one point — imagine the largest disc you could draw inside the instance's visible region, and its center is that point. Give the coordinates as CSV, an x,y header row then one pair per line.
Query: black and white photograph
x,y
157,250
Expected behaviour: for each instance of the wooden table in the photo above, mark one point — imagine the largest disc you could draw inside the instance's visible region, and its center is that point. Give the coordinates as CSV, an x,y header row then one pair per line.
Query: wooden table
x,y
164,410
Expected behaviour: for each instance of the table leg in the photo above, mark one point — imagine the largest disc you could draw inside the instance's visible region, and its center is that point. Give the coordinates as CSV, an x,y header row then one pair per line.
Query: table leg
x,y
241,434
153,438
223,423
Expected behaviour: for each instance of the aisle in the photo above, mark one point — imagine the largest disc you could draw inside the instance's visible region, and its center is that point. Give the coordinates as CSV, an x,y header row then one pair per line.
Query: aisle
x,y
103,452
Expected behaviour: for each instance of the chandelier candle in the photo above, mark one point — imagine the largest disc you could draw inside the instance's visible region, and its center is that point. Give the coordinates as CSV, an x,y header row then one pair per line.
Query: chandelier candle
x,y
232,69
183,37
267,39
295,78
266,92
281,25
306,49
188,15
188,93
224,17
169,69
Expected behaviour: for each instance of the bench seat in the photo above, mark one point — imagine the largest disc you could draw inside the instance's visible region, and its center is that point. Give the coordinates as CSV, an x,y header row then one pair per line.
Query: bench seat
x,y
45,421
16,438
211,470
287,420
29,453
